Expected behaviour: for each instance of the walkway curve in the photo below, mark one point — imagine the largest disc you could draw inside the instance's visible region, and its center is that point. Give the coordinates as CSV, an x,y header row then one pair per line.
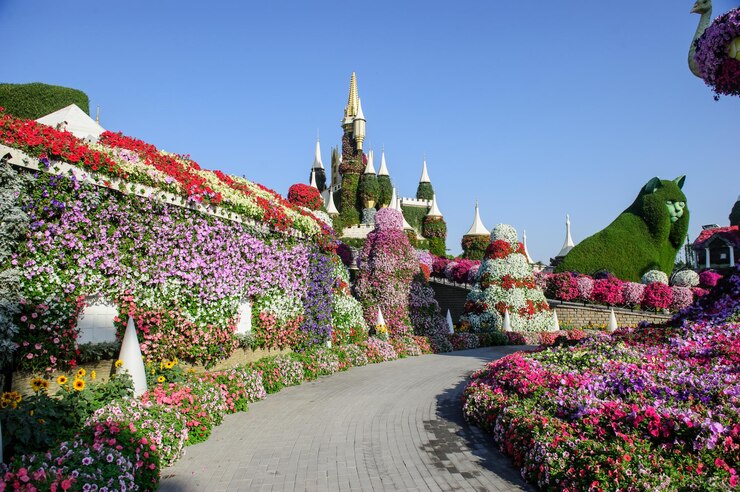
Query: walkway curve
x,y
391,426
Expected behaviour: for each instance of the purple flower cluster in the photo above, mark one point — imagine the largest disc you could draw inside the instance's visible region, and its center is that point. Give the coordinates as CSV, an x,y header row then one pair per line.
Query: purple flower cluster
x,y
718,70
388,219
316,326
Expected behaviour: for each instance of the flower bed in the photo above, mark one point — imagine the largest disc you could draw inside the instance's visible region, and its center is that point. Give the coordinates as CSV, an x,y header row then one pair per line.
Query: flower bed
x,y
654,407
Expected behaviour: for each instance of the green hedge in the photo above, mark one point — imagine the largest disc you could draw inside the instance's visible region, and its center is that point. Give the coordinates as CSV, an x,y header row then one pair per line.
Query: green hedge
x,y
369,189
386,191
437,246
414,215
35,100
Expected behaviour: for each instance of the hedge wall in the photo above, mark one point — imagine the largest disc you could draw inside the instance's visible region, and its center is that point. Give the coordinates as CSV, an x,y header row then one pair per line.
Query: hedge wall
x,y
425,191
35,100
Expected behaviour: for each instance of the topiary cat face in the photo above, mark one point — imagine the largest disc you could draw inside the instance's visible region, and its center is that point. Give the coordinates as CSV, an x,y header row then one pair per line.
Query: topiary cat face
x,y
662,205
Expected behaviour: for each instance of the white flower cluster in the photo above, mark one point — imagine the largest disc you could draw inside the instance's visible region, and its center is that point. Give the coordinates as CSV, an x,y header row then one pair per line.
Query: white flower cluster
x,y
346,313
654,276
284,306
505,232
685,278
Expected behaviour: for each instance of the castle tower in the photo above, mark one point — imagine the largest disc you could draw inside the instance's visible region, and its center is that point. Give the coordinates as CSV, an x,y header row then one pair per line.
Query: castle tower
x,y
351,162
384,183
475,241
318,168
434,229
424,190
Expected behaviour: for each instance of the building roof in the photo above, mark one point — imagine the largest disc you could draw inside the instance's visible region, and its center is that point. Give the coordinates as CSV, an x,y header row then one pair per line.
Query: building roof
x,y
730,234
434,210
424,174
477,229
331,209
370,167
77,122
568,244
383,171
317,164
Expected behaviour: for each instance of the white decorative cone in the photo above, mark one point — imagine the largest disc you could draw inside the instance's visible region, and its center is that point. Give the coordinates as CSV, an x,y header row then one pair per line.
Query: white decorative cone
x,y
450,324
380,321
507,321
612,322
555,322
131,357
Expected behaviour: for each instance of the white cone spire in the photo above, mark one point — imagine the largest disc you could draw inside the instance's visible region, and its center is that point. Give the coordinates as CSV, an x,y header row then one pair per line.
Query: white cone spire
x,y
380,321
450,324
424,174
568,244
434,211
507,321
331,209
313,179
394,198
612,327
130,355
370,167
317,164
360,114
383,171
555,322
526,252
477,229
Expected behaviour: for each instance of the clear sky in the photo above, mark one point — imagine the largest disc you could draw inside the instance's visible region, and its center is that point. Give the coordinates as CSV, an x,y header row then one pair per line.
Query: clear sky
x,y
537,109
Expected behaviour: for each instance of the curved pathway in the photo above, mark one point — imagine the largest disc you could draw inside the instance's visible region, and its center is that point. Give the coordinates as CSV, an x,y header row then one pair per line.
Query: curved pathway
x,y
391,426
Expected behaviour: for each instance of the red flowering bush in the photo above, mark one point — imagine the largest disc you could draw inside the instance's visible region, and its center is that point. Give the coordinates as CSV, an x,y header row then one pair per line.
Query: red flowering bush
x,y
439,265
607,291
562,286
305,196
657,296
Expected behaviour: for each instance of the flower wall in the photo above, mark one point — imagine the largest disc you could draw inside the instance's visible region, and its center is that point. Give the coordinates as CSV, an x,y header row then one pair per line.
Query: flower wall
x,y
182,274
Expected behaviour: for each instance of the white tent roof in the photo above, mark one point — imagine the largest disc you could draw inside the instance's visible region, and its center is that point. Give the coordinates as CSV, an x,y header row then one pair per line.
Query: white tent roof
x,y
568,244
78,123
477,229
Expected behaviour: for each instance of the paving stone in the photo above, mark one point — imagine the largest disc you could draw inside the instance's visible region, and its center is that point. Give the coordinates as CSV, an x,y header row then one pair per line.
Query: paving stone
x,y
391,426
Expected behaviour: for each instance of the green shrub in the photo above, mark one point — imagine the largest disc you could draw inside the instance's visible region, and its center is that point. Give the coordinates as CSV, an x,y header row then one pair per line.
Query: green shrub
x,y
385,191
425,191
349,213
35,100
474,247
369,189
437,246
414,215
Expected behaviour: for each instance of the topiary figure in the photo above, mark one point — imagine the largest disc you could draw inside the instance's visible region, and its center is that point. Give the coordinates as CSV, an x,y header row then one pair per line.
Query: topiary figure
x,y
646,236
304,195
735,213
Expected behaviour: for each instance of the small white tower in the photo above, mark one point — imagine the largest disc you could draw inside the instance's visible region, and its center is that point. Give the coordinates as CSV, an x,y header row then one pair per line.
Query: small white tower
x,y
331,209
383,171
568,244
424,174
434,210
477,229
317,164
370,167
526,251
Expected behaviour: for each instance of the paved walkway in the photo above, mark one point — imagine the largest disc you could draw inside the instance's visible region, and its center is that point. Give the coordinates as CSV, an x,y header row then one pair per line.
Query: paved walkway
x,y
391,426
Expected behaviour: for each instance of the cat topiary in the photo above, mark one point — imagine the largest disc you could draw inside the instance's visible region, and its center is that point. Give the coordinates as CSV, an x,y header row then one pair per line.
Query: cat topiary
x,y
646,236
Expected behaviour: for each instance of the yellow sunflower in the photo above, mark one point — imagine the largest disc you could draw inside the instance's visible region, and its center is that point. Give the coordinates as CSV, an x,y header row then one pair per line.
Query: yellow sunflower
x,y
160,379
169,364
81,373
62,380
118,363
37,384
93,375
79,384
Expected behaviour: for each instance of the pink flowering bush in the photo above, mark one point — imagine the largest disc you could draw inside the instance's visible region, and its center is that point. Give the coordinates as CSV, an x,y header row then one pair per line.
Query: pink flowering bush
x,y
387,265
682,297
378,350
585,285
388,219
438,266
562,286
607,291
633,293
708,278
657,296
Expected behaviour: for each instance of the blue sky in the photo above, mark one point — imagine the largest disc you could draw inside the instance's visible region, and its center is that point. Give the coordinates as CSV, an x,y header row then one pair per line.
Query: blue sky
x,y
537,109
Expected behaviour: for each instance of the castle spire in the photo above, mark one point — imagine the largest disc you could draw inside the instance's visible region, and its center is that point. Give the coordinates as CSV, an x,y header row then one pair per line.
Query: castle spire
x,y
359,125
350,111
317,164
383,171
434,210
477,229
331,209
568,244
313,179
370,167
424,174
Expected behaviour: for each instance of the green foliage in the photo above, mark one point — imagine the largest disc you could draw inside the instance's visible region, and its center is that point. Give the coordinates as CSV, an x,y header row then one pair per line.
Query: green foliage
x,y
474,247
247,341
385,191
82,403
166,371
414,215
35,100
434,227
95,352
369,189
735,214
425,191
437,246
493,339
641,238
349,209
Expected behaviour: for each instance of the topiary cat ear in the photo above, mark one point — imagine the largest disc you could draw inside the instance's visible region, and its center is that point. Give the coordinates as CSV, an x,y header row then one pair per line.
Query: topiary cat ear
x,y
680,181
652,185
